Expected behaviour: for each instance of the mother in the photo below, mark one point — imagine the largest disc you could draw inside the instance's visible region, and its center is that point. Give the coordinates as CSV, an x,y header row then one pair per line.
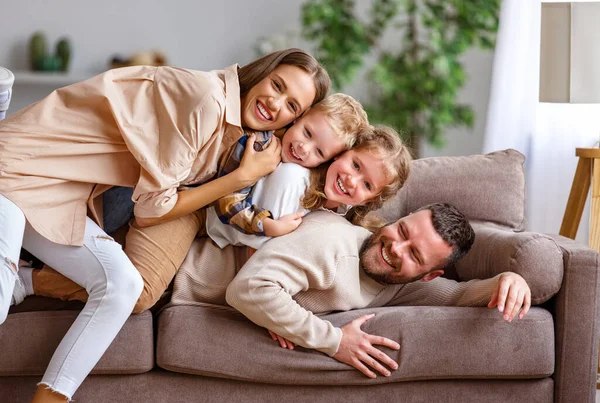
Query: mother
x,y
151,128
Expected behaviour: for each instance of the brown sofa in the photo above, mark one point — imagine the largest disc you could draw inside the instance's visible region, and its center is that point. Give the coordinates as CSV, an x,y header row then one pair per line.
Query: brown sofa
x,y
211,353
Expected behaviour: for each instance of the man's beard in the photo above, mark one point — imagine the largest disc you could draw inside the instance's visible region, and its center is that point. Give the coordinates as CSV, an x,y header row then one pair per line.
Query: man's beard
x,y
369,258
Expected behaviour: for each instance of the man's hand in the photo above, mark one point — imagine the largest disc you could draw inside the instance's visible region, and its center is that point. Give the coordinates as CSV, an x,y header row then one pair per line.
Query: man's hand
x,y
356,349
283,342
283,225
511,295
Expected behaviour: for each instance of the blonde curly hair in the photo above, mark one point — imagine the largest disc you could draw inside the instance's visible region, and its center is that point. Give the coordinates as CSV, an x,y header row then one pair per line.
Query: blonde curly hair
x,y
385,143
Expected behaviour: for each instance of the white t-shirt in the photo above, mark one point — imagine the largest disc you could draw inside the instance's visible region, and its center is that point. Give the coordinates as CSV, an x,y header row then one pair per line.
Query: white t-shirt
x,y
279,192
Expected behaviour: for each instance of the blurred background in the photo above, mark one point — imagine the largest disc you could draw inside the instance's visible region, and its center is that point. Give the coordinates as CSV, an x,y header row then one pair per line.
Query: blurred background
x,y
201,35
458,77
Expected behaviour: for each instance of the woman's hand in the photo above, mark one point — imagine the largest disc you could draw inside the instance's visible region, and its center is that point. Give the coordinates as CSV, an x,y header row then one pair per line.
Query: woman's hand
x,y
283,225
256,164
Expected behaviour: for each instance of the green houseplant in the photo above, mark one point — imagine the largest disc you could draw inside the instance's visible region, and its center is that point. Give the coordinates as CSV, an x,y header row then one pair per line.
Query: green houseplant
x,y
414,82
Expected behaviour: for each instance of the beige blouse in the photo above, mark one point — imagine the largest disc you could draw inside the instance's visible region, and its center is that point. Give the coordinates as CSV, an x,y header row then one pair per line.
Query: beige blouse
x,y
152,128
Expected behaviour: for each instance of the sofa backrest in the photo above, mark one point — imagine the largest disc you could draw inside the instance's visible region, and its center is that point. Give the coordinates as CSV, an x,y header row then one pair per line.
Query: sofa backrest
x,y
487,188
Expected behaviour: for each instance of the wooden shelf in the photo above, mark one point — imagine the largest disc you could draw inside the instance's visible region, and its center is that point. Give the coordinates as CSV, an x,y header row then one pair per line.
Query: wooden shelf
x,y
23,77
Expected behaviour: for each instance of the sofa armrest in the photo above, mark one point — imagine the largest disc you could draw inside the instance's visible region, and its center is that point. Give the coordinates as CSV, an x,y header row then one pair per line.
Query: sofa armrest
x,y
536,257
576,324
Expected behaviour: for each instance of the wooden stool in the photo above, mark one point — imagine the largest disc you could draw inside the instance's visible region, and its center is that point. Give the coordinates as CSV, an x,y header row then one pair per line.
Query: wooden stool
x,y
588,172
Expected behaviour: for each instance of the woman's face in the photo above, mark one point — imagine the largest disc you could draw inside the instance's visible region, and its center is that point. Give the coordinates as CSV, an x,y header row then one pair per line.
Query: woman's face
x,y
278,99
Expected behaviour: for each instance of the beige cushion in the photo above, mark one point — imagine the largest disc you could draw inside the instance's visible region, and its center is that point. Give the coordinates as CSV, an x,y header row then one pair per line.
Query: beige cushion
x,y
486,188
217,341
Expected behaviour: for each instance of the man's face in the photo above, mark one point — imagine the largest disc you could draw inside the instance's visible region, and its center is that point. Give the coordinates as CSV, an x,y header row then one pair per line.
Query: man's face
x,y
405,251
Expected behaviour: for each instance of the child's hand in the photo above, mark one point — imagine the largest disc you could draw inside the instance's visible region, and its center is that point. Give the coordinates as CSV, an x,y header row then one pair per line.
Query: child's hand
x,y
283,225
283,342
255,164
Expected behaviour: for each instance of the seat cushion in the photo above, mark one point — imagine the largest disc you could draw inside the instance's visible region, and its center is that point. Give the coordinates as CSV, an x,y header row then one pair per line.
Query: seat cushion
x,y
436,343
28,340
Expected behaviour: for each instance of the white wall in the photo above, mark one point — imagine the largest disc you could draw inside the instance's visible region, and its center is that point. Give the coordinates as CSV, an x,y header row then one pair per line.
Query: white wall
x,y
196,34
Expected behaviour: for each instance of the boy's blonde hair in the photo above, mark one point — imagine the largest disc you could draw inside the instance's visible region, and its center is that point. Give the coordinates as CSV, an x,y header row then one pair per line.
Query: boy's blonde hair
x,y
386,144
345,115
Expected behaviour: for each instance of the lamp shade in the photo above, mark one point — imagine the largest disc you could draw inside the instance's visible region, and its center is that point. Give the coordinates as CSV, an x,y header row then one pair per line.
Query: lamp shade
x,y
570,53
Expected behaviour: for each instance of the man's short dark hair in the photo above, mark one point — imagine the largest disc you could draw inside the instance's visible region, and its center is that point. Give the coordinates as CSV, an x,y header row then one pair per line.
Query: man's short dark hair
x,y
454,228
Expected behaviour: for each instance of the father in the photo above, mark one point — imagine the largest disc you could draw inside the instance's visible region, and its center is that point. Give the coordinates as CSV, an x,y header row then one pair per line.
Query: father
x,y
342,267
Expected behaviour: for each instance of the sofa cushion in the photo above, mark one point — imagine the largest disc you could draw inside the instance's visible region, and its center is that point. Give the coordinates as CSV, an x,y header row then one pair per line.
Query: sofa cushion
x,y
536,257
436,343
28,340
486,188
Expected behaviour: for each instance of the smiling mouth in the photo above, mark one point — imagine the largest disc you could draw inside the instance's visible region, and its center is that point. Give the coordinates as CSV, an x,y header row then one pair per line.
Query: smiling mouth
x,y
341,187
293,153
263,112
385,256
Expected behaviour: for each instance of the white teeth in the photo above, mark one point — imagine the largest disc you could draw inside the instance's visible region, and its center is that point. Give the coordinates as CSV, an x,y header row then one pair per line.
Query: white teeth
x,y
263,111
342,188
385,256
293,152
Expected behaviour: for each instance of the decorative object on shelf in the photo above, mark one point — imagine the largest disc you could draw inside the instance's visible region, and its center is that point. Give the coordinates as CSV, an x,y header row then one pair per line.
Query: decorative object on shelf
x,y
416,78
267,44
63,51
151,58
41,60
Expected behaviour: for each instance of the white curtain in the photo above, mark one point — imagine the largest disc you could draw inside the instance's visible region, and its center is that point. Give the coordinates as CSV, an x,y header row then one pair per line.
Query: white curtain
x,y
547,134
515,77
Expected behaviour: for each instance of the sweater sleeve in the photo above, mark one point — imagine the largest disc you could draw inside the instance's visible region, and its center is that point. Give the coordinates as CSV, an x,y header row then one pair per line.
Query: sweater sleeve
x,y
263,290
445,292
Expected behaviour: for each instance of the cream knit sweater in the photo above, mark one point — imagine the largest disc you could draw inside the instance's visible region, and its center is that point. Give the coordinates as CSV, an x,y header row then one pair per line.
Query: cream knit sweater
x,y
315,269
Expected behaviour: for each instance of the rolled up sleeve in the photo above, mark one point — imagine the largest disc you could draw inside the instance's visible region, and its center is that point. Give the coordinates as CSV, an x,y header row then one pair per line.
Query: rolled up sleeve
x,y
155,204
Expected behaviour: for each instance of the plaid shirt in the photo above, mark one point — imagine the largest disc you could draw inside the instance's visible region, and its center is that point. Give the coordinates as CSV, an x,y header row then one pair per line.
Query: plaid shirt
x,y
237,209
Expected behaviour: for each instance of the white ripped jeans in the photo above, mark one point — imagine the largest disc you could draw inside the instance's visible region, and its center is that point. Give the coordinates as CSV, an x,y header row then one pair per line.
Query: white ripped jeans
x,y
99,265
